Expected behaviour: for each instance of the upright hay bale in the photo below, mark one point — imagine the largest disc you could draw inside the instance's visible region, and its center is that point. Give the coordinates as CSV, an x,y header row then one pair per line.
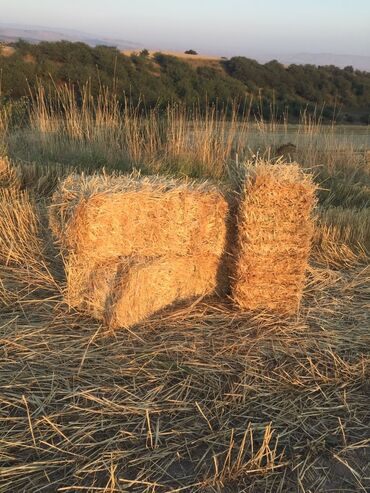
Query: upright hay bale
x,y
275,227
135,245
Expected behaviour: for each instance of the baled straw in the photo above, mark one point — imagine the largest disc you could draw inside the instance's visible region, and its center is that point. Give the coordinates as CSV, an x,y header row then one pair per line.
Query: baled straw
x,y
123,292
275,227
134,245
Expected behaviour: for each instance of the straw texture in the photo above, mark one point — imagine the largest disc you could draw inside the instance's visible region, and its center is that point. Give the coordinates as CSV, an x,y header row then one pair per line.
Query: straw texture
x,y
160,283
275,227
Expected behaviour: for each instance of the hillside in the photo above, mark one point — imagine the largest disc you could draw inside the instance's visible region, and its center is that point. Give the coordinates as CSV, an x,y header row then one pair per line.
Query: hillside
x,y
156,78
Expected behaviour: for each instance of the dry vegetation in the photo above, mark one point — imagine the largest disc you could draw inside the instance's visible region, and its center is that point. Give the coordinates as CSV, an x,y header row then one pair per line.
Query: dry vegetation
x,y
199,398
200,58
6,50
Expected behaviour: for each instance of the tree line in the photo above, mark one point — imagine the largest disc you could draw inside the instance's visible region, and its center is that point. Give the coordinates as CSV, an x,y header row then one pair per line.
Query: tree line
x,y
272,88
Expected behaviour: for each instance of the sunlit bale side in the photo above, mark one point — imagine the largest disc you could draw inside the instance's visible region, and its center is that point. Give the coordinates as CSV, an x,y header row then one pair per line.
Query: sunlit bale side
x,y
125,291
120,216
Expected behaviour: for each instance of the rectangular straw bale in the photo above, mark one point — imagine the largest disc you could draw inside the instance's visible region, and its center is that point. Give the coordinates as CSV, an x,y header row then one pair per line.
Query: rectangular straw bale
x,y
122,216
275,227
135,245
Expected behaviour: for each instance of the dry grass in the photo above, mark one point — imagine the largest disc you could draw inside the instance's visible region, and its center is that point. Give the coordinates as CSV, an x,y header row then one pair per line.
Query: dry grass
x,y
200,60
25,274
275,227
345,233
202,398
6,50
98,132
176,139
9,178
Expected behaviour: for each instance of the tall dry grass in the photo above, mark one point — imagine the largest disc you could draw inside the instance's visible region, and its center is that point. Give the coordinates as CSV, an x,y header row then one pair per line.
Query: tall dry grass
x,y
175,138
91,133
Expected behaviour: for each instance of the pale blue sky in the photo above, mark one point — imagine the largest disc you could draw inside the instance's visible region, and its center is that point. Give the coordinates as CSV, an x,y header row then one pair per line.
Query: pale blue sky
x,y
223,27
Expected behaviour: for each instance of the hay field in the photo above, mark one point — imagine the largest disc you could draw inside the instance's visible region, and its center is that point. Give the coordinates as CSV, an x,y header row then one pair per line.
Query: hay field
x,y
201,398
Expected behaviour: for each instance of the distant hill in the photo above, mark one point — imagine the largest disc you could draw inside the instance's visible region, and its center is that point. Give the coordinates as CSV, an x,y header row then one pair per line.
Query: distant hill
x,y
198,60
10,33
341,61
157,78
35,34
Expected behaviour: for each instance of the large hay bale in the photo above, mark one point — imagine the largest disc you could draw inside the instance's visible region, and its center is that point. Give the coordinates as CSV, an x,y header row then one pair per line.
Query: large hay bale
x,y
275,227
134,245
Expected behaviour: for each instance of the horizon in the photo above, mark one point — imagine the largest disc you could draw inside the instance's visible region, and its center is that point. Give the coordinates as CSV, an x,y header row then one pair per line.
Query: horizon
x,y
214,28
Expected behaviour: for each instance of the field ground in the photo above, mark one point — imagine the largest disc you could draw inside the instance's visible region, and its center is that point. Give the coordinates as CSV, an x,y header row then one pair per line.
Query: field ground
x,y
202,397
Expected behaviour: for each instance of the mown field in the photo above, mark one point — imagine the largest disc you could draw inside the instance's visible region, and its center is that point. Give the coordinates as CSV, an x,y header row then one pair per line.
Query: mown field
x,y
202,397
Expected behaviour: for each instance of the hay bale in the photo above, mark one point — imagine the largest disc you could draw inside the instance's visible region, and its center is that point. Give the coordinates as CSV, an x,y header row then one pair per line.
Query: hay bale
x,y
148,217
135,245
275,228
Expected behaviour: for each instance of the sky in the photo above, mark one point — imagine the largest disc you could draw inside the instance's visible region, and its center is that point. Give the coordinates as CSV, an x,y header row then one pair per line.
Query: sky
x,y
220,27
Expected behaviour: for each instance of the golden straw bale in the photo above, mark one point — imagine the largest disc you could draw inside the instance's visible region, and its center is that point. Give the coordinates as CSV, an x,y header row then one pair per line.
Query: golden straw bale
x,y
107,217
135,245
275,227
